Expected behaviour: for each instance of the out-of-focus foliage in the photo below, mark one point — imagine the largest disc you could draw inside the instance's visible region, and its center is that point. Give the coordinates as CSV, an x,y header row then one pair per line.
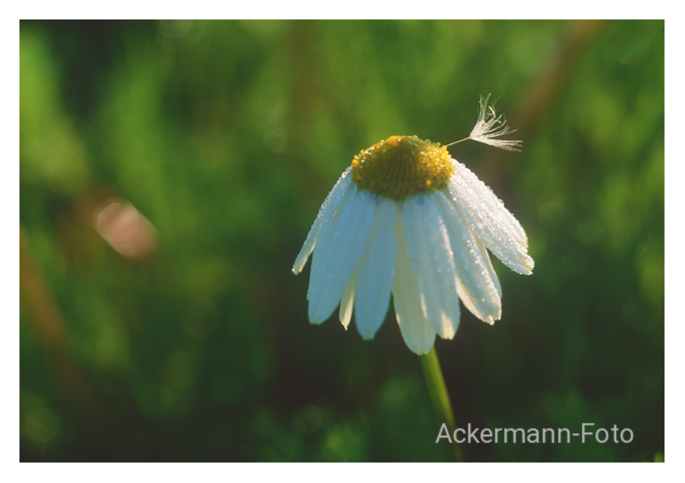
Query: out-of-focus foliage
x,y
194,345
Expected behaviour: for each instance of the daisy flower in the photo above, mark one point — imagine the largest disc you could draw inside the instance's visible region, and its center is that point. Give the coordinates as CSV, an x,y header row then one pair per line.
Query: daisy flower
x,y
409,220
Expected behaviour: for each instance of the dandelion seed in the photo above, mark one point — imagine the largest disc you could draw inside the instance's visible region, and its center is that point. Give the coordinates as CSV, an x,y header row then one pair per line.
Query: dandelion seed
x,y
490,125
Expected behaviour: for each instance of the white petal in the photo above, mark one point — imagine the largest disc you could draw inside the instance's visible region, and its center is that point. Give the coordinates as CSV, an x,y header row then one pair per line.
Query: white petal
x,y
477,285
431,259
339,246
415,327
347,302
326,212
483,251
376,271
490,220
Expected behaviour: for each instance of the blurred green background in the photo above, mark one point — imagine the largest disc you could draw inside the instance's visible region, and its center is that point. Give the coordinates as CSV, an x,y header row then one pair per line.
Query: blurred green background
x,y
170,172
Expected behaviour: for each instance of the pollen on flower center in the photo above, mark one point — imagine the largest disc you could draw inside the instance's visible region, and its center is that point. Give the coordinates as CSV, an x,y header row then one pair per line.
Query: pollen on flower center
x,y
401,166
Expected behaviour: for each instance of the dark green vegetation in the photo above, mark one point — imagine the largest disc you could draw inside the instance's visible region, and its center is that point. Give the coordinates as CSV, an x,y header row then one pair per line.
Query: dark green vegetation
x,y
227,136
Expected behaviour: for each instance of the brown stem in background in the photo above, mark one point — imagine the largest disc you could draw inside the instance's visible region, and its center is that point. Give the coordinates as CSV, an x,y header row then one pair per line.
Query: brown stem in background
x,y
541,95
45,321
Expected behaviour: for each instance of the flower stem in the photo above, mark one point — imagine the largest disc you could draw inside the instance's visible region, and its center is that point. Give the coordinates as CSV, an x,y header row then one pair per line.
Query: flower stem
x,y
439,395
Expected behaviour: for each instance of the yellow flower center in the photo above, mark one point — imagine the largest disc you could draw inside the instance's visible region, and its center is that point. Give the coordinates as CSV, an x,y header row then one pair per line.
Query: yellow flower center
x,y
402,166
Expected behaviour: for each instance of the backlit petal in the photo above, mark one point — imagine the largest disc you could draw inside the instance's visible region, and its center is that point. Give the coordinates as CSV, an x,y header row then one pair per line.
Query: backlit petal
x,y
326,212
340,243
430,256
490,220
376,271
477,286
416,330
347,302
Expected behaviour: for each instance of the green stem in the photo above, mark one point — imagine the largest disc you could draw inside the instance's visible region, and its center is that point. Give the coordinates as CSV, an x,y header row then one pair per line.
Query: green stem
x,y
439,395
